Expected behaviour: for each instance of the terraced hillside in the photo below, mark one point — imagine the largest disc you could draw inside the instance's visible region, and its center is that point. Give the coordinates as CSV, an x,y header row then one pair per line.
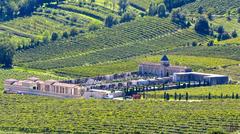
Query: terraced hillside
x,y
58,19
212,6
144,36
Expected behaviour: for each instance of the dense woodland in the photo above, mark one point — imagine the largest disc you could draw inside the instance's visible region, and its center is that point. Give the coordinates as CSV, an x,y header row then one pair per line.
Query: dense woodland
x,y
13,8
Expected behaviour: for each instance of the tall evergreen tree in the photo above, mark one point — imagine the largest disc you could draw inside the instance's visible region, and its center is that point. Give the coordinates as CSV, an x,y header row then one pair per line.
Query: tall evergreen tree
x,y
7,52
161,11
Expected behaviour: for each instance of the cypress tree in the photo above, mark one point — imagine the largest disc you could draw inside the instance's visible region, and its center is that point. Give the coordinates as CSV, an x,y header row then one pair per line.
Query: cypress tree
x,y
209,96
175,96
179,97
187,96
233,96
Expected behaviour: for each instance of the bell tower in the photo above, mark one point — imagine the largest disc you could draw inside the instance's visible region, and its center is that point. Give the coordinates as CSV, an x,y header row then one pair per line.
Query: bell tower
x,y
165,61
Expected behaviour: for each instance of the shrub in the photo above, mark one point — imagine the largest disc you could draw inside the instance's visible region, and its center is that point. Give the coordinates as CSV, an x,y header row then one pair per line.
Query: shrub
x,y
73,32
93,27
180,19
200,10
127,17
161,11
110,21
234,34
65,35
194,44
152,11
202,26
54,36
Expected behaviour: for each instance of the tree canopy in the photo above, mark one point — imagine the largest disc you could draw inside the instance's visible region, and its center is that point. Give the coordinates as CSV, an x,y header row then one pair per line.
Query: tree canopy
x,y
13,8
7,52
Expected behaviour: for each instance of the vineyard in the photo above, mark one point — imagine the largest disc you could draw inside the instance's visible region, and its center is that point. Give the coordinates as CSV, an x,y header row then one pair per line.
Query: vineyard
x,y
230,41
199,93
124,41
221,51
229,26
196,63
104,116
214,6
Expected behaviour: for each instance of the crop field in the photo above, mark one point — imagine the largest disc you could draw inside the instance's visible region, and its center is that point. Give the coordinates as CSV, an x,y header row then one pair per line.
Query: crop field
x,y
145,3
127,40
229,26
104,116
230,41
200,93
212,6
197,63
36,25
219,51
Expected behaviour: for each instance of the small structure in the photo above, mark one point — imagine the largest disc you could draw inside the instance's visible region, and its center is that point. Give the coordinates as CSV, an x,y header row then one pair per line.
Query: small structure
x,y
162,69
102,94
207,79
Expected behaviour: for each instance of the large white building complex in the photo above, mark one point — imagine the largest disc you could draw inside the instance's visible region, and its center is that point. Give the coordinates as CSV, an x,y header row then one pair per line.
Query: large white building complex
x,y
162,69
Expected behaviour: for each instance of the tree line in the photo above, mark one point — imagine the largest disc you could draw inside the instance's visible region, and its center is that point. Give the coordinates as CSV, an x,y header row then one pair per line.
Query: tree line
x,y
7,51
14,8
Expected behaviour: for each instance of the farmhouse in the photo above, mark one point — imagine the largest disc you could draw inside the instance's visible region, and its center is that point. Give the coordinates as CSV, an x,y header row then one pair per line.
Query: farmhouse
x,y
48,88
162,69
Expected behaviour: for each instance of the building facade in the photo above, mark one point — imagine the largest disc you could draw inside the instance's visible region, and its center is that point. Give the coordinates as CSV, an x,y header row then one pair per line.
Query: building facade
x,y
162,69
47,88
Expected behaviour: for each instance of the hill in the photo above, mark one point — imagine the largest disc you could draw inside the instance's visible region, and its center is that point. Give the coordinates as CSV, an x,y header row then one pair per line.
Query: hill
x,y
214,6
124,41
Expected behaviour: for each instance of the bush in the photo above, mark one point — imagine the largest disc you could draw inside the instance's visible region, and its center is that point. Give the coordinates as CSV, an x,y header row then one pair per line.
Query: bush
x,y
211,43
54,36
220,30
210,16
65,35
200,10
127,17
152,11
194,44
110,21
224,36
202,26
180,19
93,27
234,34
161,11
73,32
216,131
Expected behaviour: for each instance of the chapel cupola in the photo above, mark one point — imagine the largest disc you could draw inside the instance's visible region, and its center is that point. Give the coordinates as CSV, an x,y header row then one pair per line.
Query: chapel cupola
x,y
165,61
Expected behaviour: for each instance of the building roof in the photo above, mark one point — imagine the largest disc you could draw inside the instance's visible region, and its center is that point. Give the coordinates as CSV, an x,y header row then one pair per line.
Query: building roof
x,y
33,78
65,85
11,80
164,58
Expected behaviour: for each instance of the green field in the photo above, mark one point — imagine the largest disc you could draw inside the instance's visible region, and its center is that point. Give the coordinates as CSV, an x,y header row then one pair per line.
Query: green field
x,y
212,6
200,93
104,116
197,63
116,50
118,43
